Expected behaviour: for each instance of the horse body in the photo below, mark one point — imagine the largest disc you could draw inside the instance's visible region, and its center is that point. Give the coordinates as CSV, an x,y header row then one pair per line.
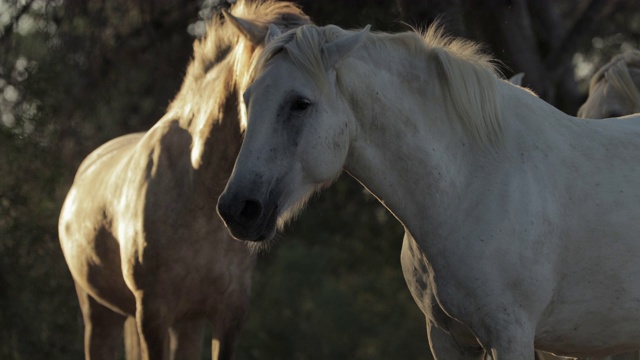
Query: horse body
x,y
94,252
139,228
528,196
169,246
521,222
536,240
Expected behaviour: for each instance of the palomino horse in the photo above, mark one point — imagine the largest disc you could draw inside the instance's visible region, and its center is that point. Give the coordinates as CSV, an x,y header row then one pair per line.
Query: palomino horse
x,y
522,222
615,88
139,228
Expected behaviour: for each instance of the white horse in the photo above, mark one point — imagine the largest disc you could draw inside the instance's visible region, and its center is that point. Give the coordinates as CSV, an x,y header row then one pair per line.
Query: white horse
x,y
614,90
522,223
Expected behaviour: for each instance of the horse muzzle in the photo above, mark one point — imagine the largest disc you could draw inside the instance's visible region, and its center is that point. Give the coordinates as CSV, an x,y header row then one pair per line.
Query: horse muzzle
x,y
248,219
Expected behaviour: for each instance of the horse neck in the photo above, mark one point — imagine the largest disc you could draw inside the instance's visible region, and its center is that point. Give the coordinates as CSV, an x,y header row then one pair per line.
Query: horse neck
x,y
207,107
408,145
403,143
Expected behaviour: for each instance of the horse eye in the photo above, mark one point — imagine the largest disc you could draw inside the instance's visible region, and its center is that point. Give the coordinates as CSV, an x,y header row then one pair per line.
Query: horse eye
x,y
300,105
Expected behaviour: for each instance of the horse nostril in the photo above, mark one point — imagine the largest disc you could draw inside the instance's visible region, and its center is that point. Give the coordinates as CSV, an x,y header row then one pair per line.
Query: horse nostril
x,y
249,212
243,213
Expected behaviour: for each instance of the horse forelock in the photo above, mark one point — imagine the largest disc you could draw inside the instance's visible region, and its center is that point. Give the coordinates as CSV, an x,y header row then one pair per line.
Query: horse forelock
x,y
303,46
470,75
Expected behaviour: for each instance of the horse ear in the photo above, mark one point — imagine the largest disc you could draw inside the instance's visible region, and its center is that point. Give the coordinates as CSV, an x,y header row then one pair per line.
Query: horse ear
x,y
339,49
517,79
272,33
253,32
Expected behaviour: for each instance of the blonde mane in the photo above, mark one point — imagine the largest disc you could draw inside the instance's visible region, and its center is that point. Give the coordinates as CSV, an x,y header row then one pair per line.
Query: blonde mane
x,y
219,44
470,77
616,72
218,71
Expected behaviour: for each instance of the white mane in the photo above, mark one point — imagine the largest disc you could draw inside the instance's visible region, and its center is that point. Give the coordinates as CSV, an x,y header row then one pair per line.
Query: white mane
x,y
616,72
469,75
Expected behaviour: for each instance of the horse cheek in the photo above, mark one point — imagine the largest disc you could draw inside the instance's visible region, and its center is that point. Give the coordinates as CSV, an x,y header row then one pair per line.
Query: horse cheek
x,y
322,159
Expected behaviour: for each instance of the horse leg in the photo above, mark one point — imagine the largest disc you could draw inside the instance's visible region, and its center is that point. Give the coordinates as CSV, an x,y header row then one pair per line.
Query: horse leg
x,y
153,329
541,355
511,344
227,320
186,340
223,346
131,340
225,332
102,328
444,346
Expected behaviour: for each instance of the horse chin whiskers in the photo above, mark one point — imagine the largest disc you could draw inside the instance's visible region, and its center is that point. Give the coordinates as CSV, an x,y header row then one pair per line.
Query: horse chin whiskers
x,y
262,247
293,211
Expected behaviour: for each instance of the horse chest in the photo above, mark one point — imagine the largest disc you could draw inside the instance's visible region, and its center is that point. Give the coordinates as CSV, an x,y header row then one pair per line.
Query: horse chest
x,y
421,280
462,284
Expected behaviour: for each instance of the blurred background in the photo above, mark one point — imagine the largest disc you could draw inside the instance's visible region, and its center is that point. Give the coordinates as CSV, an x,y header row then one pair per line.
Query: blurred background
x,y
76,73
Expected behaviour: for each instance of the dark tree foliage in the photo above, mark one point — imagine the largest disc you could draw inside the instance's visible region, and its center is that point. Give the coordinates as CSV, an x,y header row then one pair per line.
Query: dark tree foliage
x,y
76,73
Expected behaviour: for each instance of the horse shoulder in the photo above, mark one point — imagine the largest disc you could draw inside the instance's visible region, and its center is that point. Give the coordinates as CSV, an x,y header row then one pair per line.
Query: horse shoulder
x,y
93,188
154,187
87,236
482,258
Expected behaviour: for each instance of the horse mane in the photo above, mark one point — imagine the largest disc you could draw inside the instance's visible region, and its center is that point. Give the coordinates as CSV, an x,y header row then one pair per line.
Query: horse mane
x,y
218,70
220,42
616,72
471,80
470,76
